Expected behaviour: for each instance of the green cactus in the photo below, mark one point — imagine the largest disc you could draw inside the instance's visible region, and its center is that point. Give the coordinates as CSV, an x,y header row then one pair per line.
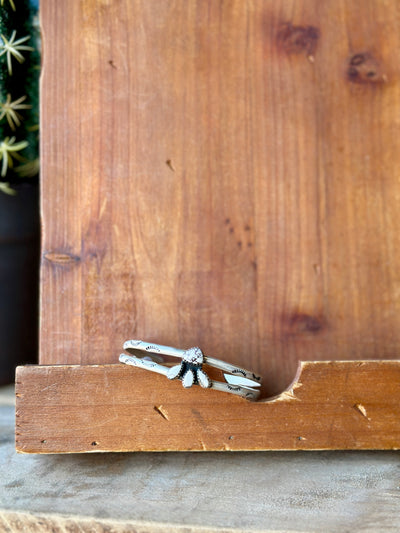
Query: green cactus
x,y
19,93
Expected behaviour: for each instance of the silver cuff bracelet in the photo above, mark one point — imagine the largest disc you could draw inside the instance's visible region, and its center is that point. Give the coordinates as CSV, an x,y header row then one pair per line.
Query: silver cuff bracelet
x,y
190,371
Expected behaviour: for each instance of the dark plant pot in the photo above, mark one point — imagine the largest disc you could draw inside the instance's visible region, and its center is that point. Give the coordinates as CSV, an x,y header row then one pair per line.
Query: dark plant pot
x,y
19,279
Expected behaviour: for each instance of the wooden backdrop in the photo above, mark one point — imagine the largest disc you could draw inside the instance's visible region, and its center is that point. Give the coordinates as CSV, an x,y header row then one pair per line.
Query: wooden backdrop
x,y
222,174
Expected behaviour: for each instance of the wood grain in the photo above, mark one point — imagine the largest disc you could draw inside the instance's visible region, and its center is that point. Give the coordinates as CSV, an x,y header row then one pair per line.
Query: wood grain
x,y
53,523
222,174
330,405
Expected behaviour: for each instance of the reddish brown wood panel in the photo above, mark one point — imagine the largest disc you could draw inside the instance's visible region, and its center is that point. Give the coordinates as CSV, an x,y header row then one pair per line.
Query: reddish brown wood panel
x,y
330,405
222,174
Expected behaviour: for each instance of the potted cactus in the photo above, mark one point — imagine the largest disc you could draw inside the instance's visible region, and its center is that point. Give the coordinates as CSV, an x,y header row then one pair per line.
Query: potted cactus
x,y
19,171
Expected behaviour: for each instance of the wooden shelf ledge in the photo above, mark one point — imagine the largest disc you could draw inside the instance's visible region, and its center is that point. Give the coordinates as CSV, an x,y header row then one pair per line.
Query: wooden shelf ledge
x,y
110,408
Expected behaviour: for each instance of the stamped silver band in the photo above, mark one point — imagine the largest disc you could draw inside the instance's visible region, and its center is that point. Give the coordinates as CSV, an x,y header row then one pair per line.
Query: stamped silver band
x,y
190,371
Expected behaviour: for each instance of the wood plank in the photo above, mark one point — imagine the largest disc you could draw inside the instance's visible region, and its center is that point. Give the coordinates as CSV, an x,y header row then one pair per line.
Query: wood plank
x,y
330,405
53,523
221,174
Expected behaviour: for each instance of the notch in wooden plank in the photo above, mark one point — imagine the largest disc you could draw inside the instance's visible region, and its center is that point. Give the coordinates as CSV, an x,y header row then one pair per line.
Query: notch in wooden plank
x,y
330,405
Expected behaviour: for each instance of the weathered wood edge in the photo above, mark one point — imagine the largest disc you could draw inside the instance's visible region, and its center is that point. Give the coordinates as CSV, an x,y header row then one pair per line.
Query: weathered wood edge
x,y
15,521
98,408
